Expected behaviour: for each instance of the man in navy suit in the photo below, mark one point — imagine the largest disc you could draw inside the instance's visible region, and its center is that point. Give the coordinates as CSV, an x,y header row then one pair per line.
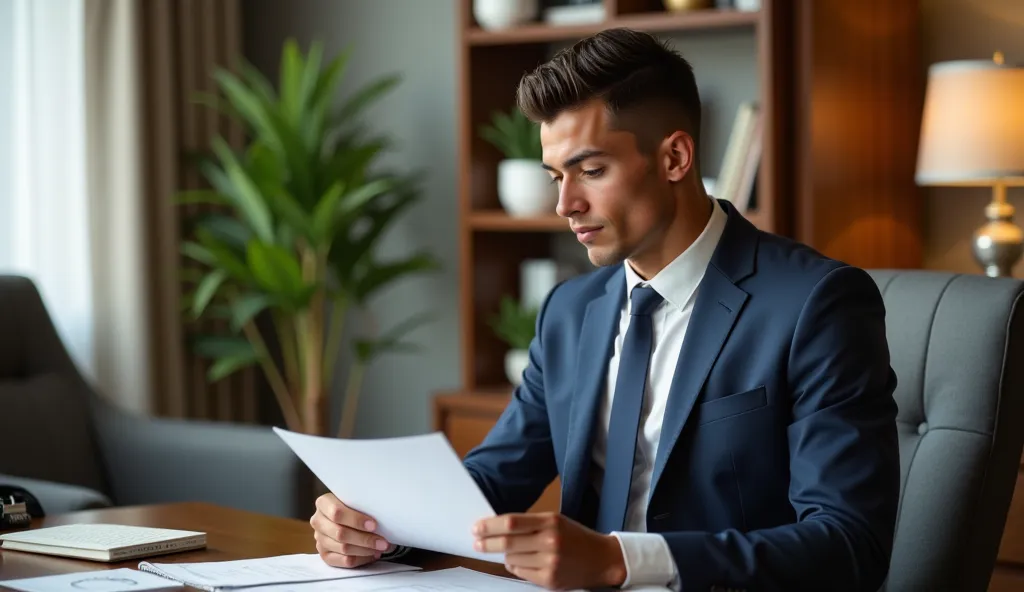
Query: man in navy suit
x,y
716,400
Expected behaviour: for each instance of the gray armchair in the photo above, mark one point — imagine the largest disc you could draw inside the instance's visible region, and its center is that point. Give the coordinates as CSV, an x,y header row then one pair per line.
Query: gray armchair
x,y
74,450
957,345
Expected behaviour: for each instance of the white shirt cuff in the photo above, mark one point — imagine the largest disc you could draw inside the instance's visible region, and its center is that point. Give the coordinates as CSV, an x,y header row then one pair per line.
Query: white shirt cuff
x,y
648,560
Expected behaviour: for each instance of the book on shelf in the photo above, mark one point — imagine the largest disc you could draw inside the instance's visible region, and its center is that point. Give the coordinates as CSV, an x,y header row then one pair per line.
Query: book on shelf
x,y
735,181
103,542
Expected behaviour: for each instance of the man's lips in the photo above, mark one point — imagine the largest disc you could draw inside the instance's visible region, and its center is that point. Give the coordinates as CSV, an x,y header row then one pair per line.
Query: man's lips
x,y
586,233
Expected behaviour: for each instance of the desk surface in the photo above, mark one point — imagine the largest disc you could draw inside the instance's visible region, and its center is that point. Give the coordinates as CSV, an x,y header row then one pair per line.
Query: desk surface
x,y
231,534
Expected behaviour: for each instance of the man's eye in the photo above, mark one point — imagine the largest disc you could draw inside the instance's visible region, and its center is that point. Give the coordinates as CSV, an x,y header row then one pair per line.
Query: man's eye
x,y
555,180
593,172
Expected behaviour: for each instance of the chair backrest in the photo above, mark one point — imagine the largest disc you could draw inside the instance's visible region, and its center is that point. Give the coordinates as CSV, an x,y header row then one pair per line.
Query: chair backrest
x,y
957,346
46,430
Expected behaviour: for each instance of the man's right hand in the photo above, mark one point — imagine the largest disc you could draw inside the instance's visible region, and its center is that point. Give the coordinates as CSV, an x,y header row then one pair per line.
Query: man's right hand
x,y
344,537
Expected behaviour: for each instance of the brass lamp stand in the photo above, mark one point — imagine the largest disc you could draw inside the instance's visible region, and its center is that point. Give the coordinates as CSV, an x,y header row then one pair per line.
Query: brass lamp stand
x,y
999,244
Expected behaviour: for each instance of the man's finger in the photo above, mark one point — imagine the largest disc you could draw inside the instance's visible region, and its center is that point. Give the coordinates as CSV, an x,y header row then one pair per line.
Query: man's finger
x,y
511,524
339,560
342,548
349,535
536,560
513,543
337,512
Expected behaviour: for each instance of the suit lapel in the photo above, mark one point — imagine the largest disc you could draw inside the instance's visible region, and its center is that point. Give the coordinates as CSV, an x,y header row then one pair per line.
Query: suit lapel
x,y
719,303
600,326
718,306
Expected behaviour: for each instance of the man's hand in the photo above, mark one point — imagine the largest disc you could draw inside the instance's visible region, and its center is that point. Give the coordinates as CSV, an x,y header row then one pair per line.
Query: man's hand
x,y
344,536
553,551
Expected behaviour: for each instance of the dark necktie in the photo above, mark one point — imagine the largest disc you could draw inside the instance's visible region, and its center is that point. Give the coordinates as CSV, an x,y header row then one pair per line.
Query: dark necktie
x,y
627,404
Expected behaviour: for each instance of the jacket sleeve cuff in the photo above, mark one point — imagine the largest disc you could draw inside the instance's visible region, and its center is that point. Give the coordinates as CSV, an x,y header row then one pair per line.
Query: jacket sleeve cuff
x,y
397,553
648,560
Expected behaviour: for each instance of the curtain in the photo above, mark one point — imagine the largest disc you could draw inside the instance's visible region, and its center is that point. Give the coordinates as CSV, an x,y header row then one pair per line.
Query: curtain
x,y
104,123
46,217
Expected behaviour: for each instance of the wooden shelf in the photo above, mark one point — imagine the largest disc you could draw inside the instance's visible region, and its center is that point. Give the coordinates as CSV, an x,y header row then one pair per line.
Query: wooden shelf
x,y
652,22
499,221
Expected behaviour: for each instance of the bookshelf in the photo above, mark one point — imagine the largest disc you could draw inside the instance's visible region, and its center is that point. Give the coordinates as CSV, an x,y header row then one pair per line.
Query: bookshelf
x,y
839,91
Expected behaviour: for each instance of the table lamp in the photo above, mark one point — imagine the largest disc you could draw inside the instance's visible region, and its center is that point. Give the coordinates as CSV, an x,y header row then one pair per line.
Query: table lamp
x,y
972,134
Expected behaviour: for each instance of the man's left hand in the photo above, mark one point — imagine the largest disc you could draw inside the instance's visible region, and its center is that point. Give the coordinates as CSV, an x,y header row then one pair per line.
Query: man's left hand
x,y
553,551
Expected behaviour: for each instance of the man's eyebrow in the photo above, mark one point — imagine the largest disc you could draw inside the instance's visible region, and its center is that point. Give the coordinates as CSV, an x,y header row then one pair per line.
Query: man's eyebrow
x,y
576,159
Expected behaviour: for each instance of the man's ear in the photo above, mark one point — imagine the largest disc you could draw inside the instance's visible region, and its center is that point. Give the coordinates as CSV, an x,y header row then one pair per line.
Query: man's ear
x,y
678,155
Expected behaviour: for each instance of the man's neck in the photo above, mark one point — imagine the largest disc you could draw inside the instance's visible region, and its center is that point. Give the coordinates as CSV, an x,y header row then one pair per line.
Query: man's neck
x,y
688,224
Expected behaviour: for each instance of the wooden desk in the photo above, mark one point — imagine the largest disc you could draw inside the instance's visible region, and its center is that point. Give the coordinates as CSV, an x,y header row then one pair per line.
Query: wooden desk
x,y
231,534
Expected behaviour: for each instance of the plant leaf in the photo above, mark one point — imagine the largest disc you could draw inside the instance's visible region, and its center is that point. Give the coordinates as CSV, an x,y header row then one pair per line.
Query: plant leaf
x,y
226,366
247,307
206,290
324,215
290,83
250,203
276,270
223,257
226,229
198,252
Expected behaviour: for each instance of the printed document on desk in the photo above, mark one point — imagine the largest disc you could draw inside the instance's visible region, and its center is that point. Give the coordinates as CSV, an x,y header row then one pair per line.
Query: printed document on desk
x,y
215,576
415,487
456,579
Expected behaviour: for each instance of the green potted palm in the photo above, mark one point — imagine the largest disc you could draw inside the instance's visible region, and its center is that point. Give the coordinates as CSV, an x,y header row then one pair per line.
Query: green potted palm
x,y
515,324
299,210
524,187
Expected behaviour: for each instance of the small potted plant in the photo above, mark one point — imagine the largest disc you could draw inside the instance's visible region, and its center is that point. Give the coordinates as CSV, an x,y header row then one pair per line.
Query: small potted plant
x,y
524,187
515,325
493,15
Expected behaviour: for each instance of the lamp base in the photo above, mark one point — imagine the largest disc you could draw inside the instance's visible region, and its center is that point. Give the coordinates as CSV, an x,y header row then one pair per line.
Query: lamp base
x,y
999,244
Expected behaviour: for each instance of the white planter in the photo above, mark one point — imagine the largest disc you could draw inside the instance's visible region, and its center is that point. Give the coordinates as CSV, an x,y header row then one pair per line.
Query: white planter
x,y
525,189
516,361
502,14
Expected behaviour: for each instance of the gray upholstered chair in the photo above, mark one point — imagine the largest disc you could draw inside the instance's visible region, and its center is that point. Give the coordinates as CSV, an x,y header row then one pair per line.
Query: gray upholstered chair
x,y
957,346
74,450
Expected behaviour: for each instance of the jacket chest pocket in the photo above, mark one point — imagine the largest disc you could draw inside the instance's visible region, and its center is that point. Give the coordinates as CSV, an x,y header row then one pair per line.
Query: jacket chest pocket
x,y
732,405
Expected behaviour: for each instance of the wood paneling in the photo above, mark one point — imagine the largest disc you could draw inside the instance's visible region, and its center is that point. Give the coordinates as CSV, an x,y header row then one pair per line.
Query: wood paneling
x,y
857,115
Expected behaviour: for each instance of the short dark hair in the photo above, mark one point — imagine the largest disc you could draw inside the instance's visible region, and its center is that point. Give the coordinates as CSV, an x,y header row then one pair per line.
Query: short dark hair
x,y
622,67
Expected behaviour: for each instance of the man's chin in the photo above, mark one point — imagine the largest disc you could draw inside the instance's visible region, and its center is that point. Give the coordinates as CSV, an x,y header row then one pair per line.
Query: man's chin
x,y
603,256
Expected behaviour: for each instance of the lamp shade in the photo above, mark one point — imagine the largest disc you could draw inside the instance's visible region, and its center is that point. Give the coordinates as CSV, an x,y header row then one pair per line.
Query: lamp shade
x,y
972,128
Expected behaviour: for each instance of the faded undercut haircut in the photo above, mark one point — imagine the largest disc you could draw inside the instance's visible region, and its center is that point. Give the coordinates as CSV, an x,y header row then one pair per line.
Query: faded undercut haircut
x,y
649,88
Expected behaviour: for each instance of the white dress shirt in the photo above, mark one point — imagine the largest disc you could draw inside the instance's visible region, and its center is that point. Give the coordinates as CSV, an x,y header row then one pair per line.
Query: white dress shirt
x,y
647,556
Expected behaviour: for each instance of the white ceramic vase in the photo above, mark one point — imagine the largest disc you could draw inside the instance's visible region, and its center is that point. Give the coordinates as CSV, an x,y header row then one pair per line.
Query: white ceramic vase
x,y
516,361
502,14
525,189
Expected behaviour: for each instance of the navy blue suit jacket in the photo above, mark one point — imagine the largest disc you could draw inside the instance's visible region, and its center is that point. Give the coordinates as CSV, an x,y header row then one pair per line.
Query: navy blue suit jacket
x,y
778,465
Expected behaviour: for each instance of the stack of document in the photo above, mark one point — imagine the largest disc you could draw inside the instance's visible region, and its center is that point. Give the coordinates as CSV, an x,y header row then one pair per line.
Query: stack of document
x,y
308,573
289,573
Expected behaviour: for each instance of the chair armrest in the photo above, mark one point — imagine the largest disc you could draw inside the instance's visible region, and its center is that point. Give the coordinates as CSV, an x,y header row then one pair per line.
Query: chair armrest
x,y
156,460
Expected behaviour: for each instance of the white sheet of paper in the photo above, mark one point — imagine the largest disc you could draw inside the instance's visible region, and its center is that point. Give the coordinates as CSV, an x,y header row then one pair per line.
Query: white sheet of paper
x,y
415,487
111,580
282,569
456,579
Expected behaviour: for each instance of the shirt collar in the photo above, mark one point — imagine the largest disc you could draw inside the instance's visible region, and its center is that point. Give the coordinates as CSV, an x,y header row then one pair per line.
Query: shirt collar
x,y
677,282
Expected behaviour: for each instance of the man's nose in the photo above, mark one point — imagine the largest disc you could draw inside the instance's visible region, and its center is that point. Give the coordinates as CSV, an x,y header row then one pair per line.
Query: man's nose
x,y
570,200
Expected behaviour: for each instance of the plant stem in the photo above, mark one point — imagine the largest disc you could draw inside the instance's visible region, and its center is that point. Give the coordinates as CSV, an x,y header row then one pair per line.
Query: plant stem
x,y
334,333
313,380
291,415
355,382
286,335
